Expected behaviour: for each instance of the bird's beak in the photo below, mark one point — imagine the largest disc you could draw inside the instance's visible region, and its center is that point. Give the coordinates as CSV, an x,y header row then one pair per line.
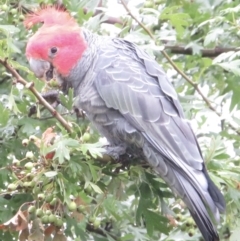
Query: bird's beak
x,y
42,69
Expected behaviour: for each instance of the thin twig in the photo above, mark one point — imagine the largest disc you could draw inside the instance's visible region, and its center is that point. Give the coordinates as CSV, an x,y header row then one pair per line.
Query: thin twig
x,y
30,86
195,86
50,117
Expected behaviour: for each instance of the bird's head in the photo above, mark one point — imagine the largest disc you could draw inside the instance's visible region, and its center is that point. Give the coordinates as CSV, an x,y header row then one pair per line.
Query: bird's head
x,y
57,45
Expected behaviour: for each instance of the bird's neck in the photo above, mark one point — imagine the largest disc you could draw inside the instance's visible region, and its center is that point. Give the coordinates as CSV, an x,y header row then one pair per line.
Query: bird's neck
x,y
84,69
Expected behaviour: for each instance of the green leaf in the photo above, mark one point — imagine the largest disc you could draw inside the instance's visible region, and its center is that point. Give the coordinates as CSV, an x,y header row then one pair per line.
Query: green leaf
x,y
9,29
212,36
95,149
155,221
4,116
95,188
62,150
233,66
50,174
67,101
235,234
179,20
93,171
12,104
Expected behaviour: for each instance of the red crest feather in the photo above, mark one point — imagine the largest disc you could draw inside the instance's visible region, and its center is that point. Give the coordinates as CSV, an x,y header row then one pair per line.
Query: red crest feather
x,y
49,15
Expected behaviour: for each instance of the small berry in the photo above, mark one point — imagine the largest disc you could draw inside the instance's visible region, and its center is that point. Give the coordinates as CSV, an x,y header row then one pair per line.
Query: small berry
x,y
32,209
53,83
29,166
72,206
191,232
88,189
12,187
13,11
41,196
189,222
86,137
16,162
52,218
32,138
21,17
30,155
39,212
45,219
91,219
25,142
49,198
96,223
53,202
81,208
36,190
4,7
48,212
179,217
176,210
58,222
27,184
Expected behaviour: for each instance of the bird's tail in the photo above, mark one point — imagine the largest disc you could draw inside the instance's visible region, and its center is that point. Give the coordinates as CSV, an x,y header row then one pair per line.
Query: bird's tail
x,y
204,205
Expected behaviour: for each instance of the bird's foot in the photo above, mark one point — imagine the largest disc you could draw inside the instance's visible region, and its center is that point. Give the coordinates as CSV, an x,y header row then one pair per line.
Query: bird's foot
x,y
115,151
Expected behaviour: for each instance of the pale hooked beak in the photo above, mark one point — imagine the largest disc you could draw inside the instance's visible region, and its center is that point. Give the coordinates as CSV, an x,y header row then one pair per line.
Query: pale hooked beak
x,y
42,69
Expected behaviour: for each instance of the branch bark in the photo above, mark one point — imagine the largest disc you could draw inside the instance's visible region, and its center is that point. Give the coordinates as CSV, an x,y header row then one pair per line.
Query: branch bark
x,y
210,53
30,86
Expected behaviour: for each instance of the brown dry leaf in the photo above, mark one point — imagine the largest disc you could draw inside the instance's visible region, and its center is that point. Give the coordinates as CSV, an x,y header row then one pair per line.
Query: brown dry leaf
x,y
37,141
47,238
36,231
59,236
37,235
17,222
23,235
50,155
76,215
48,135
49,230
37,225
172,220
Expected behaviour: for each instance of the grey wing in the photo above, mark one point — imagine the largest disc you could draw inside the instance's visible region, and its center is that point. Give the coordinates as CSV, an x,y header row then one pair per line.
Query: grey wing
x,y
141,91
132,83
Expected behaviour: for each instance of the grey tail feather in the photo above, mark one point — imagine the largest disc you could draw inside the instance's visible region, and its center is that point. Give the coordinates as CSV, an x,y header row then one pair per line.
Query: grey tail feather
x,y
215,193
199,212
201,205
206,228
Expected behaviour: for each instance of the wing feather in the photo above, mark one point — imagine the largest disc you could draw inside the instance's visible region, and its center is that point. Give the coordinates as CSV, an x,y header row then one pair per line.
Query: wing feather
x,y
149,102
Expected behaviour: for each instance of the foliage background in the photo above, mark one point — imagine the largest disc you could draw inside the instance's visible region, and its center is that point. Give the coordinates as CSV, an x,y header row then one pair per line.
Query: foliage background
x,y
114,201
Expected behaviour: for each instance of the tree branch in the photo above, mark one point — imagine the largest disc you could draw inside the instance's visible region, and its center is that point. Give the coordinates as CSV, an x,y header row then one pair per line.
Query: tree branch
x,y
210,53
30,86
179,71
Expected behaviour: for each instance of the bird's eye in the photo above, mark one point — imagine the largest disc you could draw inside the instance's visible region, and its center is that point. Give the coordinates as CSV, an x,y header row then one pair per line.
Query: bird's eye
x,y
54,50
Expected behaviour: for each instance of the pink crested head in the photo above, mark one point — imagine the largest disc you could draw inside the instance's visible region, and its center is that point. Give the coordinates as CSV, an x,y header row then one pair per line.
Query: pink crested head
x,y
60,32
49,15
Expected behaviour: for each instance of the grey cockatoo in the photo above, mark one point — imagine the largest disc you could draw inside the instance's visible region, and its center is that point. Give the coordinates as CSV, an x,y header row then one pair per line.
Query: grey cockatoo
x,y
130,100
